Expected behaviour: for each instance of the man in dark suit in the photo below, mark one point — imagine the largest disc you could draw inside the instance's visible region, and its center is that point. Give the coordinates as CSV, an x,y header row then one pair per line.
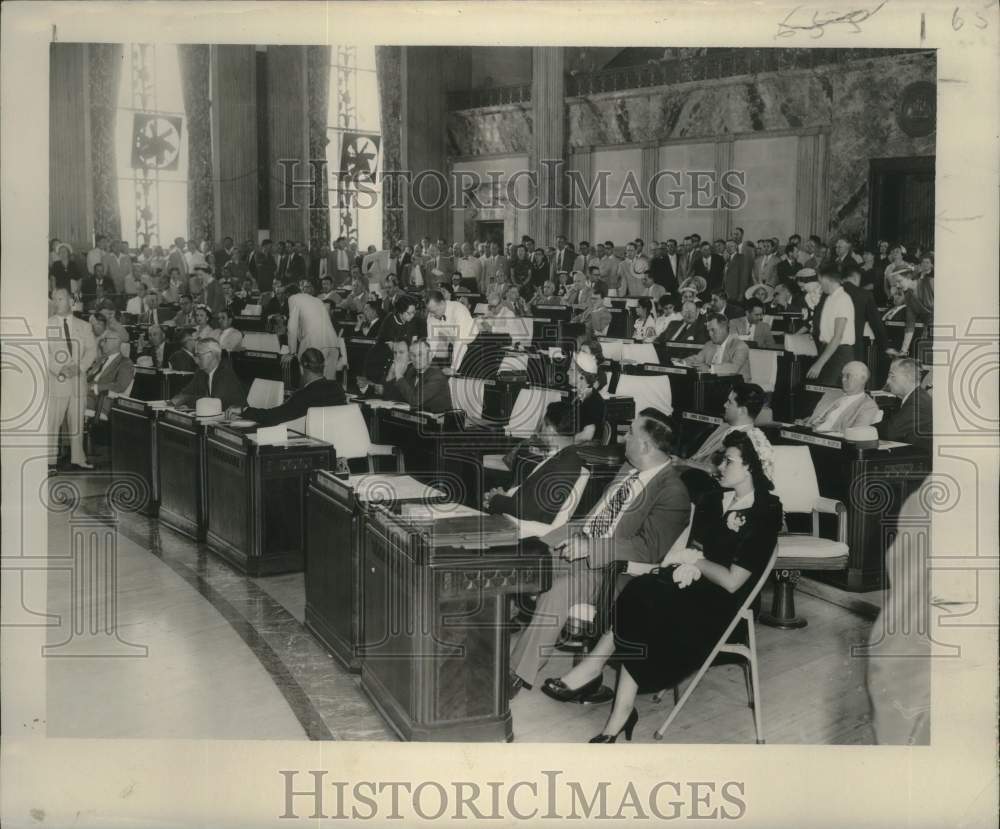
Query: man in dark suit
x,y
690,328
640,515
157,349
298,268
913,422
264,267
316,391
224,254
739,269
182,358
789,264
710,266
214,378
661,269
114,373
531,498
865,311
417,382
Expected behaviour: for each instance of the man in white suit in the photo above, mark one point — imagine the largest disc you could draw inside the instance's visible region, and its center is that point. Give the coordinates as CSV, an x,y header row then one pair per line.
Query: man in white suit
x,y
310,326
449,321
848,408
380,264
72,350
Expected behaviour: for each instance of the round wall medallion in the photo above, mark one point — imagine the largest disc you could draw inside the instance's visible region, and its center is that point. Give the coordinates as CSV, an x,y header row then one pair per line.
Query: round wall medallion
x,y
917,112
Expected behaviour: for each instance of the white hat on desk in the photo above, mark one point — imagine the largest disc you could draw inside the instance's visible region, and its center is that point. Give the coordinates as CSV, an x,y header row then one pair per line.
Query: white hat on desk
x,y
208,407
145,361
586,362
864,437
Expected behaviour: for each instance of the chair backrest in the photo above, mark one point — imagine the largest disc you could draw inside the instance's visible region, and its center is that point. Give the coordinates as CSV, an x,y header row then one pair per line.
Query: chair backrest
x,y
528,411
266,394
639,353
343,426
468,394
520,329
613,350
261,341
764,367
514,363
800,344
795,478
297,425
652,390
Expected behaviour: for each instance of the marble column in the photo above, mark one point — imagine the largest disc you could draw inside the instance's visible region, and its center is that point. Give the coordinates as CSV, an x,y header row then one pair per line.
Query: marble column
x,y
811,193
722,220
650,160
548,100
581,169
71,215
291,175
234,139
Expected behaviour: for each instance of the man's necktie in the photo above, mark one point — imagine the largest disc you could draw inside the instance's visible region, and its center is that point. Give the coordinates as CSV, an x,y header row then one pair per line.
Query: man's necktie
x,y
680,330
69,342
600,524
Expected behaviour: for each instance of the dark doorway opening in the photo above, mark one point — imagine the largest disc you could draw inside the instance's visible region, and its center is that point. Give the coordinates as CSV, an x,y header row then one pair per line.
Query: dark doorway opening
x,y
901,206
490,232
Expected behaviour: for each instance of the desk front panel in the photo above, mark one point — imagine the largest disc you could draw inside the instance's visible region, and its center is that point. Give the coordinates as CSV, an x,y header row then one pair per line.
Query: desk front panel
x,y
256,500
436,638
134,447
183,505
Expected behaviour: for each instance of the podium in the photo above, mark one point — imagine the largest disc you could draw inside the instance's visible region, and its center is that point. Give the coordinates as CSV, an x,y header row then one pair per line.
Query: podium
x,y
255,497
435,654
336,510
134,447
183,507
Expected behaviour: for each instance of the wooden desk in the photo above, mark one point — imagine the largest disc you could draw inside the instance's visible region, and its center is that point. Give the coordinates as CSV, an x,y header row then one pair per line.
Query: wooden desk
x,y
265,365
256,498
336,512
244,323
435,658
872,484
183,507
134,447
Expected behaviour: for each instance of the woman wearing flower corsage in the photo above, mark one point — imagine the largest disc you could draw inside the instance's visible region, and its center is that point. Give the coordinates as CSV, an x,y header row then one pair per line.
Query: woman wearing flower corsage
x,y
667,622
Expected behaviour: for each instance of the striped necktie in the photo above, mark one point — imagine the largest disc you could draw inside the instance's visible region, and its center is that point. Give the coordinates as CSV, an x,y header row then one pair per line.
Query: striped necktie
x,y
601,524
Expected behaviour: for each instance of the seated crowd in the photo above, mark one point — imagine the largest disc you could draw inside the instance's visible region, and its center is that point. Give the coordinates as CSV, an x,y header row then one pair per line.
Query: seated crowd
x,y
413,307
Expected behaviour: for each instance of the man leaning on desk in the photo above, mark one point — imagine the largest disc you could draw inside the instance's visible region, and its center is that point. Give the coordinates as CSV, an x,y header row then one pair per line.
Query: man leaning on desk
x,y
724,353
316,391
213,378
413,379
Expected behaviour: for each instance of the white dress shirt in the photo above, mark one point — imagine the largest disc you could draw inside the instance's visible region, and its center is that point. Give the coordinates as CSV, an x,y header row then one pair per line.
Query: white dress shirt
x,y
838,304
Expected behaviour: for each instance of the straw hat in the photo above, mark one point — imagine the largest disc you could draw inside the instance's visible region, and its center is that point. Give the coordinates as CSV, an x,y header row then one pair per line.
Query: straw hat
x,y
208,407
751,292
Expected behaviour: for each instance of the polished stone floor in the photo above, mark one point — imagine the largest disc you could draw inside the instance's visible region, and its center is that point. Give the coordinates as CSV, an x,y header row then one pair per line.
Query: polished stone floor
x,y
203,652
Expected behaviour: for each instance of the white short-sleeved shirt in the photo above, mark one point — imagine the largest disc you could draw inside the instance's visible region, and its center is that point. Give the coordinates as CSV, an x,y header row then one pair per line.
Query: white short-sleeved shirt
x,y
838,304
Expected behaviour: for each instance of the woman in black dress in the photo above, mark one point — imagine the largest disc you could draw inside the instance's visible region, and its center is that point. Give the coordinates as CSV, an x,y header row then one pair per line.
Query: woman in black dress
x,y
591,409
667,622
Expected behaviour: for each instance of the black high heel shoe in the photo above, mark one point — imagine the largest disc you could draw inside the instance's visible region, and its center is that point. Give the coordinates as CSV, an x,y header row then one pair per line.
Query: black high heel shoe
x,y
557,689
628,728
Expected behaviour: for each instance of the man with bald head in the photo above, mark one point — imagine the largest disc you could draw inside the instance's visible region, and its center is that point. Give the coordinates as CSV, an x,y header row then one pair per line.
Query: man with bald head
x,y
847,408
113,372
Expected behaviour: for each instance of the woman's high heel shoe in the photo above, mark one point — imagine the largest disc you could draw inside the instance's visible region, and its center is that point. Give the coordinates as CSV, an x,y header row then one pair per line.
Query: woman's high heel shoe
x,y
628,728
557,689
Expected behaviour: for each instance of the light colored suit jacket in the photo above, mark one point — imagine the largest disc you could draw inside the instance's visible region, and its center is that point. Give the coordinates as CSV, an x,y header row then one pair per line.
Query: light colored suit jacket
x,y
116,376
81,352
309,324
735,358
649,525
862,412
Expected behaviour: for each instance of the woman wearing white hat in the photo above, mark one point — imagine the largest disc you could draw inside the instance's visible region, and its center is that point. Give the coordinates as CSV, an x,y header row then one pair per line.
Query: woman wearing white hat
x,y
591,409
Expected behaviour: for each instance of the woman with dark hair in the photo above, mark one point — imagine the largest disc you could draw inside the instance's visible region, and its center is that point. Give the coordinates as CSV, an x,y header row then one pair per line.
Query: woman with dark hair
x,y
591,409
667,622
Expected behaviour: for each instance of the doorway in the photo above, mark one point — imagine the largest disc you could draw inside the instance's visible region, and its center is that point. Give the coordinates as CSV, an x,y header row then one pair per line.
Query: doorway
x,y
901,201
490,232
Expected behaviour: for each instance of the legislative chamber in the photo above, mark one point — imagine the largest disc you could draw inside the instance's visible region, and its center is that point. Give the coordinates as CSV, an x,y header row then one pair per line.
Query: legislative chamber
x,y
461,472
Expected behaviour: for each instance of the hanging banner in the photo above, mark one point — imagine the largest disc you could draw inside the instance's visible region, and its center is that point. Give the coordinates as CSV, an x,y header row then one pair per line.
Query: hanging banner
x,y
156,141
359,157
